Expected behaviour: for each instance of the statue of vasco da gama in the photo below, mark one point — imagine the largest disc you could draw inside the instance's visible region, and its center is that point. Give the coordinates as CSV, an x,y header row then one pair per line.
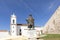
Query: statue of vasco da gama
x,y
30,21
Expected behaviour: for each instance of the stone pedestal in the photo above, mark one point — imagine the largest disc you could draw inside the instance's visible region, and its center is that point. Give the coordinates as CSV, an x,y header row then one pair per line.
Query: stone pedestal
x,y
31,33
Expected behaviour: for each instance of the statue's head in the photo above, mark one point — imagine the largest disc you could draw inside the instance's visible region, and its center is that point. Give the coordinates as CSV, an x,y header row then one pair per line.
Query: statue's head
x,y
30,15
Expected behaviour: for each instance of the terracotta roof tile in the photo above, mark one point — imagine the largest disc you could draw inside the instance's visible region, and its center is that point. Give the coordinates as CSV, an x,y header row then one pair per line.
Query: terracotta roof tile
x,y
22,24
3,30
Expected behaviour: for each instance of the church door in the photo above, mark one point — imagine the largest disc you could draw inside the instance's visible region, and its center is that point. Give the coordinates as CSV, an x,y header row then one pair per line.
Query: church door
x,y
20,32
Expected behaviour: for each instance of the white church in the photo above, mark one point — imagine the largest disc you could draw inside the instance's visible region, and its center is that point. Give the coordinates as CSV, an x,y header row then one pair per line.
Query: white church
x,y
21,29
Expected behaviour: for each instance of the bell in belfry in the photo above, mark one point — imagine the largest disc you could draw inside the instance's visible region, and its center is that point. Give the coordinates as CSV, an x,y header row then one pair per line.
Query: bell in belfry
x,y
30,21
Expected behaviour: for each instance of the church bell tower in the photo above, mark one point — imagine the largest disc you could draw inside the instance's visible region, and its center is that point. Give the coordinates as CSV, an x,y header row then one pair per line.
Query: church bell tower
x,y
13,25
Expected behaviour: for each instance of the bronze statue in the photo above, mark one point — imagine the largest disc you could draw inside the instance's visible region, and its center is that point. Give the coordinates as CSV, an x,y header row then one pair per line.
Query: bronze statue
x,y
30,21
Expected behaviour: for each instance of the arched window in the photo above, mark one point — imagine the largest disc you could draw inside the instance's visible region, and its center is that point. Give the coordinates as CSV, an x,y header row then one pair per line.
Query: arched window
x,y
13,21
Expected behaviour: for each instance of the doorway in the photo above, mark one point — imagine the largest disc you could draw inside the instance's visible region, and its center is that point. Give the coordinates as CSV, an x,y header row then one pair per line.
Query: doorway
x,y
20,32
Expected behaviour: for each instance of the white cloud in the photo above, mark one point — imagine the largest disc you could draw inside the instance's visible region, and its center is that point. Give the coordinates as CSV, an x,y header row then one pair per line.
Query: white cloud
x,y
52,4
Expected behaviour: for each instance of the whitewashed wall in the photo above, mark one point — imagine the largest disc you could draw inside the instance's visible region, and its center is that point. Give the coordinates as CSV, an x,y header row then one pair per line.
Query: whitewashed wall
x,y
28,33
4,34
18,29
38,29
13,30
24,30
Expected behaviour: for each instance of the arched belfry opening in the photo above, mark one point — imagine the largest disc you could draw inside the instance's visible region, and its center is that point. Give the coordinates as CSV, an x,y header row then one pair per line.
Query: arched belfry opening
x,y
13,21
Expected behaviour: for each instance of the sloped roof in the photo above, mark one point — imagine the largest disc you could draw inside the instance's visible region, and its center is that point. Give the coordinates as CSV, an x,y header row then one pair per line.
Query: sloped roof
x,y
22,24
3,31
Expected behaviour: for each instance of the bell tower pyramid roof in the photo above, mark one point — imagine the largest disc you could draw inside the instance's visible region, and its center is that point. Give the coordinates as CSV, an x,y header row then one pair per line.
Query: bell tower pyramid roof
x,y
13,15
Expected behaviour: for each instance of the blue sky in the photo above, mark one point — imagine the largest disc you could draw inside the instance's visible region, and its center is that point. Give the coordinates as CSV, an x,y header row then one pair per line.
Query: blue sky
x,y
40,9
